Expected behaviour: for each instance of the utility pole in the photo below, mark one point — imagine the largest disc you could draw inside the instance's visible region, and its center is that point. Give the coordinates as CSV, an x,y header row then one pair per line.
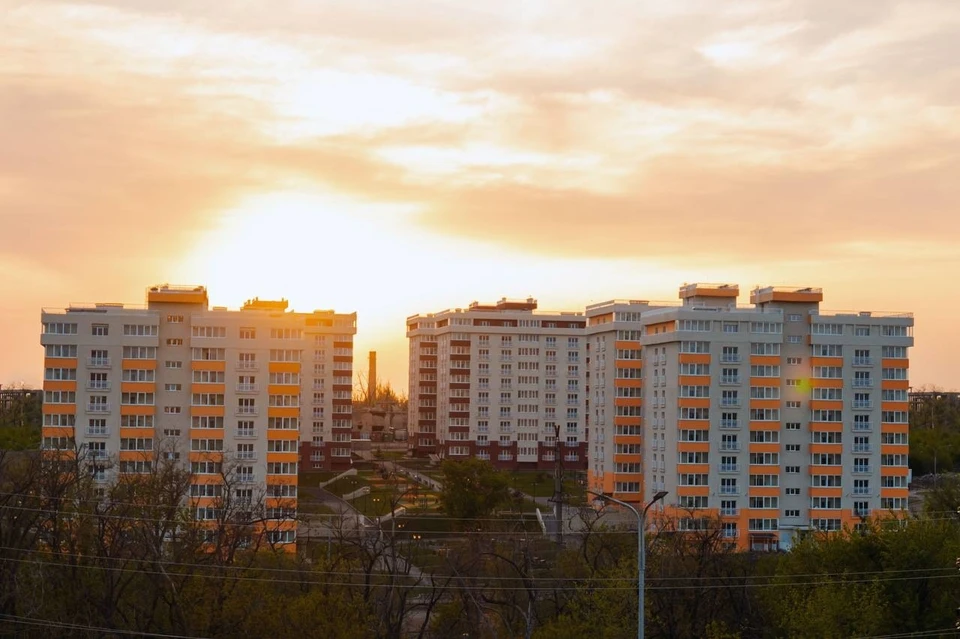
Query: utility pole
x,y
557,498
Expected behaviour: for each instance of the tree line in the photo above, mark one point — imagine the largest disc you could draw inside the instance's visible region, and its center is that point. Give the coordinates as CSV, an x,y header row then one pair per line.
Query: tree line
x,y
79,557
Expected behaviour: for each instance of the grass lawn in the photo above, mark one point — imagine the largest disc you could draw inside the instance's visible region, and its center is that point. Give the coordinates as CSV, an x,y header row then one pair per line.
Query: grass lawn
x,y
316,478
348,485
538,483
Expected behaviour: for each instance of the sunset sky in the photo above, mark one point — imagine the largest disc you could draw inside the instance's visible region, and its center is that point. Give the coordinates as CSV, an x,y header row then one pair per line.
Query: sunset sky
x,y
395,157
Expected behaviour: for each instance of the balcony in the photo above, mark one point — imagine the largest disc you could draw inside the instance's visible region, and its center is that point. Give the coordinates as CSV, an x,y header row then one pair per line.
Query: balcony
x,y
571,457
861,512
862,470
729,490
248,388
729,423
98,408
862,426
862,448
247,455
861,491
863,383
98,386
98,432
247,366
729,468
320,386
862,405
863,361
98,362
246,433
729,403
729,445
730,359
729,512
247,411
729,380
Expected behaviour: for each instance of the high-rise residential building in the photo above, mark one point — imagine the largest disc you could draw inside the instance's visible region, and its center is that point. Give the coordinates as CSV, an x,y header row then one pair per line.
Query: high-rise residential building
x,y
241,396
500,382
776,418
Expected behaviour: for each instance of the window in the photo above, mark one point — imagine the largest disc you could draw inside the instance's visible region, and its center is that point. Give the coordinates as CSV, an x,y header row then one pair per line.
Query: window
x,y
827,350
764,371
140,330
139,352
248,332
209,331
693,325
766,327
59,328
100,330
764,349
794,361
826,329
173,364
60,351
731,327
764,437
764,392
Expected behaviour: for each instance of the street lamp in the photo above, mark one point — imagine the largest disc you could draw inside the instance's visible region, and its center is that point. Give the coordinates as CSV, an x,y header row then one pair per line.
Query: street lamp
x,y
641,547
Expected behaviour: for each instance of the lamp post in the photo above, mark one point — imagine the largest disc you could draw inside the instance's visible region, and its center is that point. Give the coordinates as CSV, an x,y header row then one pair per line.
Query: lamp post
x,y
641,547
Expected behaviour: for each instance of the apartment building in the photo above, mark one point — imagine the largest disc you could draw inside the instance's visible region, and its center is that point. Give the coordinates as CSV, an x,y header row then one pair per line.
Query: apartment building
x,y
500,382
777,418
241,396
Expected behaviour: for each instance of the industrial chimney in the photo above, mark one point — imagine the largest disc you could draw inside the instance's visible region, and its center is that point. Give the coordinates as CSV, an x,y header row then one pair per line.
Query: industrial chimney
x,y
372,378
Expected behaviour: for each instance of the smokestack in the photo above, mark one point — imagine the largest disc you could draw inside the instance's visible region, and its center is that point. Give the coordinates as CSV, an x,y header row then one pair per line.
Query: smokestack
x,y
372,377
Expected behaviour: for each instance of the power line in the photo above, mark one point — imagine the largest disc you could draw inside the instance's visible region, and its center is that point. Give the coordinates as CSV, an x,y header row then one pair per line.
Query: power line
x,y
48,623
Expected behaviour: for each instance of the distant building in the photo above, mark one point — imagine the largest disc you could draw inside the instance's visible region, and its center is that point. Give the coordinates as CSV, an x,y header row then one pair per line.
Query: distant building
x,y
499,382
24,401
261,386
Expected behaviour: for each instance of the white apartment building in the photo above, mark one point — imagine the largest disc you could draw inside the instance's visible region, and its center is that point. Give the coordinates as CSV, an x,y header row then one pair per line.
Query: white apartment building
x,y
776,418
499,382
251,392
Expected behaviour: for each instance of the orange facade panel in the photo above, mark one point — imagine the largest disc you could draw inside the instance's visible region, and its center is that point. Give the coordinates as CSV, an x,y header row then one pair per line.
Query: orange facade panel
x,y
826,383
628,383
138,432
60,362
765,360
283,367
282,457
694,402
764,381
59,409
60,385
208,365
757,447
138,387
282,389
694,358
285,433
895,384
826,361
693,491
138,364
764,491
822,404
886,362
693,447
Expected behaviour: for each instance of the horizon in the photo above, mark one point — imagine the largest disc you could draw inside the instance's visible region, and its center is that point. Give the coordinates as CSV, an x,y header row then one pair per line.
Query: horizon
x,y
406,158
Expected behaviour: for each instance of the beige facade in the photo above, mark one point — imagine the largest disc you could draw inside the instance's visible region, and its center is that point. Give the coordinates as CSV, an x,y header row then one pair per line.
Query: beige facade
x,y
499,382
776,418
255,392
